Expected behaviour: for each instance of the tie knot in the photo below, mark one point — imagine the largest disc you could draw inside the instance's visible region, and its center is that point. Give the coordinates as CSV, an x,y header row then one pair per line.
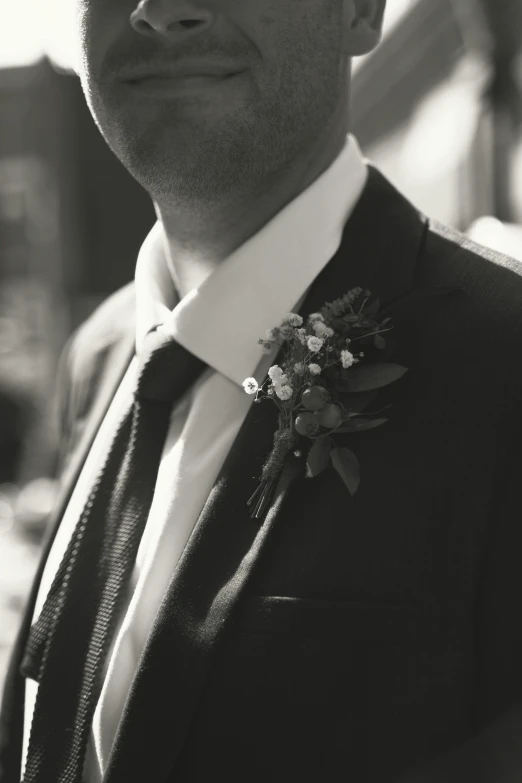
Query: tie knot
x,y
166,369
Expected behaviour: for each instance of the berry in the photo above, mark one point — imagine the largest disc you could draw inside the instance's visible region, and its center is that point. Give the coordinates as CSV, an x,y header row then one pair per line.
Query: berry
x,y
307,424
314,398
330,416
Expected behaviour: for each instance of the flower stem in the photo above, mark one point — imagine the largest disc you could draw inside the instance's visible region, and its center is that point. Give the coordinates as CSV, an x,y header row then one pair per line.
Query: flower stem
x,y
263,495
363,305
370,334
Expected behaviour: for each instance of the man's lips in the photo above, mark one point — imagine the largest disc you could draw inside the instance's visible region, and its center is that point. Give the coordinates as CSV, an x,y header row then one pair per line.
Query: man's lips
x,y
181,70
176,84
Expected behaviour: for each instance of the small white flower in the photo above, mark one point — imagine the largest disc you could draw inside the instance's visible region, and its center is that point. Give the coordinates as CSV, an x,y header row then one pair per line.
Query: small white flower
x,y
269,334
314,344
315,317
284,392
294,319
250,385
299,368
347,359
301,336
322,330
314,369
286,331
275,372
282,380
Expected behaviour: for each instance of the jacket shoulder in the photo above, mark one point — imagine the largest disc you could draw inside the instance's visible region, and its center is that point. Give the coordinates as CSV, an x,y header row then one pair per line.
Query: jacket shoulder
x,y
87,353
492,281
457,256
111,321
481,324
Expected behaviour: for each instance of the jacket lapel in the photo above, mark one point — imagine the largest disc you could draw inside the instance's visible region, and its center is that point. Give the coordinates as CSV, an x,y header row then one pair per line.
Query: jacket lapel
x,y
379,249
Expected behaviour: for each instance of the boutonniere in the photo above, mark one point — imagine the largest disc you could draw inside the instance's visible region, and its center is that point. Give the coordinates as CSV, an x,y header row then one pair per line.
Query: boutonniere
x,y
329,374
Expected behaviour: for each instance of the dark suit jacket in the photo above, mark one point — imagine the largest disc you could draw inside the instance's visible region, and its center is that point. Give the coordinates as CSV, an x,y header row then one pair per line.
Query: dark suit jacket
x,y
365,639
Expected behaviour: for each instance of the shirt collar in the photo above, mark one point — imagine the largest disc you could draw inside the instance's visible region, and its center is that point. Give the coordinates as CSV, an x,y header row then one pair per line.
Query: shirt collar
x,y
267,277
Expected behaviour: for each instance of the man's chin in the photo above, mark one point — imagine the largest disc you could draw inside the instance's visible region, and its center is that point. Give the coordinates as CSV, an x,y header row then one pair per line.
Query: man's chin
x,y
183,179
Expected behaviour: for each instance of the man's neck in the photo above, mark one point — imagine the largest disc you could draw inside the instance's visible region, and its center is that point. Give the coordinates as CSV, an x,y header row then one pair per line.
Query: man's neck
x,y
195,244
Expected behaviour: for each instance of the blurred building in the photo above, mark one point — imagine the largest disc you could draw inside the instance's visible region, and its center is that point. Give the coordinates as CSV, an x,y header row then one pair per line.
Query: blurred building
x,y
71,223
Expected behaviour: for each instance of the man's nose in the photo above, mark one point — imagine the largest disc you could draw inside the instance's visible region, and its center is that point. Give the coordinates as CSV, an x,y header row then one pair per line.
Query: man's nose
x,y
170,18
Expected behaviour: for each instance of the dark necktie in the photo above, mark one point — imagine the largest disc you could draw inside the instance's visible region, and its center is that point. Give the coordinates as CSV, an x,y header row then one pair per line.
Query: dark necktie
x,y
68,645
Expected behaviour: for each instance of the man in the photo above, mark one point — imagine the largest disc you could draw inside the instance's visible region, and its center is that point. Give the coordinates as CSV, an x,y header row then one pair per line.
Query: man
x,y
370,638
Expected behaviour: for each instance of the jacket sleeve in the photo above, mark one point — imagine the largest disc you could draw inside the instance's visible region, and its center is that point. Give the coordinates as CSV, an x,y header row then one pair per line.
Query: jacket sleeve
x,y
494,753
12,697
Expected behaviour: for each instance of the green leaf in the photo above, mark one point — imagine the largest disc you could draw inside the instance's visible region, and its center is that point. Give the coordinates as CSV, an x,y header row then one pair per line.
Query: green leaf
x,y
364,340
356,402
359,401
373,376
318,456
379,342
358,425
347,465
340,326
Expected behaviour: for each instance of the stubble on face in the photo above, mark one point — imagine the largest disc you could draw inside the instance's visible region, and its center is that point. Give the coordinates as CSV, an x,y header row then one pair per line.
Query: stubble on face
x,y
202,149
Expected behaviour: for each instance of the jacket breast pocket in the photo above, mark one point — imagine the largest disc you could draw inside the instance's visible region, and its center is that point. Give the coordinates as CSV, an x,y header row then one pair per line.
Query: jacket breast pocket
x,y
325,653
324,685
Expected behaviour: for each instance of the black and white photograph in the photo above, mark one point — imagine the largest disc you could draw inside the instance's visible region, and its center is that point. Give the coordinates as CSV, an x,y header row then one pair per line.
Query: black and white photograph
x,y
260,391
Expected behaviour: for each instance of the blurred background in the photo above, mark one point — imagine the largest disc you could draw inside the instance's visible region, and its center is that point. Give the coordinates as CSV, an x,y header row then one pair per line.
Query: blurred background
x,y
438,107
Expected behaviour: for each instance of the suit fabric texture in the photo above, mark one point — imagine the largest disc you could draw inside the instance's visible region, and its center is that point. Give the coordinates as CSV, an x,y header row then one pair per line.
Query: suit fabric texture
x,y
372,638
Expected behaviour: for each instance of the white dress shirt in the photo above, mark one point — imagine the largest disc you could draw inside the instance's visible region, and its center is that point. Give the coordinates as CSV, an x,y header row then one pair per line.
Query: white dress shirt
x,y
221,322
